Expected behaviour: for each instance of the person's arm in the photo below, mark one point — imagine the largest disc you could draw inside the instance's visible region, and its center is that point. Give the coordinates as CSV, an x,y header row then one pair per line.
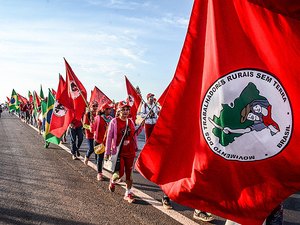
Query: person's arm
x,y
157,109
109,137
95,124
86,121
144,111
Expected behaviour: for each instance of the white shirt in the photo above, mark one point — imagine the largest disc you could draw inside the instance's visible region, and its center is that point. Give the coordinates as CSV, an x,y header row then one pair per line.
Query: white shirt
x,y
151,116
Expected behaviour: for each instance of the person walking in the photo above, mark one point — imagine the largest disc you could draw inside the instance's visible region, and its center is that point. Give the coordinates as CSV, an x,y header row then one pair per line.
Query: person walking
x,y
150,112
88,119
76,135
99,128
27,112
121,132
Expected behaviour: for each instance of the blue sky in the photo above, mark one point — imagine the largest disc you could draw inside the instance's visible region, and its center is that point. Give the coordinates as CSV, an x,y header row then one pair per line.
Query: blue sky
x,y
102,40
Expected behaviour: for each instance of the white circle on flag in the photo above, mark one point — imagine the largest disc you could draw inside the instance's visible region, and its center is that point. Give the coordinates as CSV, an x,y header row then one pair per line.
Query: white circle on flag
x,y
59,110
74,91
246,116
130,100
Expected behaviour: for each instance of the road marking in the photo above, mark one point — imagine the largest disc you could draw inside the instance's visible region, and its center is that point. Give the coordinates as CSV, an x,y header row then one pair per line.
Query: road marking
x,y
143,196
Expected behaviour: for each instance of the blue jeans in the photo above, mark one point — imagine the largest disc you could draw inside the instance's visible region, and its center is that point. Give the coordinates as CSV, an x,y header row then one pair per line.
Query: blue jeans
x,y
76,139
99,159
91,147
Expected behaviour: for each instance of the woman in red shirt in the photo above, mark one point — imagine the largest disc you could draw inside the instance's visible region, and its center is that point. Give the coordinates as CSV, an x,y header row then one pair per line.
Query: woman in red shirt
x,y
99,127
121,131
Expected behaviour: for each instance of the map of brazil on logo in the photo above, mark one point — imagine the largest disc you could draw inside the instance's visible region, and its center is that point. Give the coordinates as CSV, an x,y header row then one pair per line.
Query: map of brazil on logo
x,y
246,116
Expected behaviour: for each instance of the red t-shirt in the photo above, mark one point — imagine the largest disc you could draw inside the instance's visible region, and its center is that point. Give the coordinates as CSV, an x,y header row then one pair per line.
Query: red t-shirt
x,y
129,145
101,128
86,121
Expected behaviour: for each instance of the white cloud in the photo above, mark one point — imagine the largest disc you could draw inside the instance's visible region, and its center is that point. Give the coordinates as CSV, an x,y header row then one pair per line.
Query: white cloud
x,y
175,20
121,4
133,54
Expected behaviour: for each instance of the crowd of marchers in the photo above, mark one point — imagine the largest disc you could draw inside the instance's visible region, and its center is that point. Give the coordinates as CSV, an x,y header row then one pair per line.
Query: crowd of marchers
x,y
111,134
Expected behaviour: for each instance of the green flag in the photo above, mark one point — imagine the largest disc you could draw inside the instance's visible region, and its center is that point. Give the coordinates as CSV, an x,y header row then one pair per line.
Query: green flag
x,y
44,111
47,114
42,93
14,103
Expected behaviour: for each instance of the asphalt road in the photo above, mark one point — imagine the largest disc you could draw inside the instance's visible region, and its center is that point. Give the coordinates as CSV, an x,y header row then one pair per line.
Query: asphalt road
x,y
44,186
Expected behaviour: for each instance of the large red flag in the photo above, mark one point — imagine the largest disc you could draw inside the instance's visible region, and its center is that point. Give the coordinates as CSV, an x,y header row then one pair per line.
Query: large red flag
x,y
134,98
227,139
76,91
63,112
22,99
162,98
99,96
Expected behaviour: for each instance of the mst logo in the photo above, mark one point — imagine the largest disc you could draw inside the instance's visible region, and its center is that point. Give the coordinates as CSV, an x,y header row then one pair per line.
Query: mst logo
x,y
246,116
130,100
59,110
74,90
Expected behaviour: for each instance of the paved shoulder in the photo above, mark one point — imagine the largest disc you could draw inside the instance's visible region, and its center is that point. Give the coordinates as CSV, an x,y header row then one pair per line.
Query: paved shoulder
x,y
43,186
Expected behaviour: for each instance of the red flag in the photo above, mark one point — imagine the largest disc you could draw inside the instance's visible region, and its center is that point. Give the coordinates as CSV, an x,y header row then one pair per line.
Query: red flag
x,y
36,99
76,92
30,97
53,92
133,97
225,142
8,99
99,96
63,113
22,99
162,98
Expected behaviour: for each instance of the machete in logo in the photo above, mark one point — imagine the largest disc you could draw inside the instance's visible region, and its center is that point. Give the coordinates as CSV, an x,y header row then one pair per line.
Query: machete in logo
x,y
246,116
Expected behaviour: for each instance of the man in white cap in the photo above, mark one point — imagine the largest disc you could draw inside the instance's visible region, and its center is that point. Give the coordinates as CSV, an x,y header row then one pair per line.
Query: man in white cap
x,y
150,111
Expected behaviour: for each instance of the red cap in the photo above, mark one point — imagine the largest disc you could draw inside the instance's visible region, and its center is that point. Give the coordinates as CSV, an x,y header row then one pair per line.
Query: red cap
x,y
105,105
123,104
149,95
